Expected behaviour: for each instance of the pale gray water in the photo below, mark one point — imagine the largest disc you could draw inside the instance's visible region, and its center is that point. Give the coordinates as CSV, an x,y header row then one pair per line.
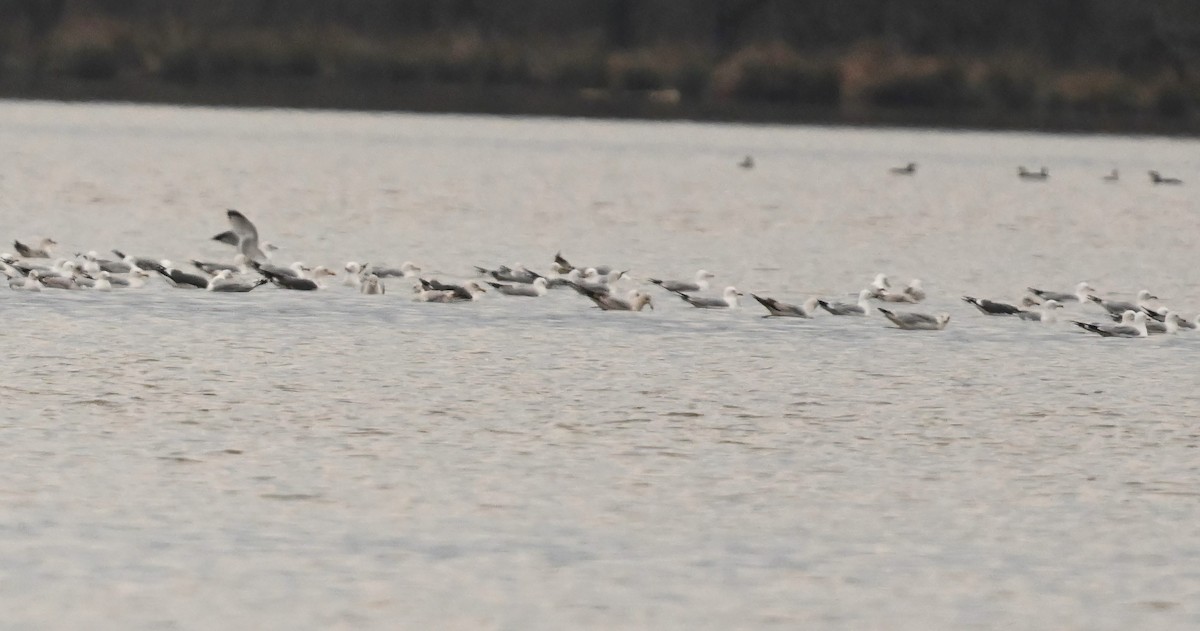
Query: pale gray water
x,y
177,459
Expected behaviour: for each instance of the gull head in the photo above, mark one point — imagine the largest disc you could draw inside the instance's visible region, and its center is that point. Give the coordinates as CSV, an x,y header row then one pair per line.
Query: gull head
x,y
353,267
1146,295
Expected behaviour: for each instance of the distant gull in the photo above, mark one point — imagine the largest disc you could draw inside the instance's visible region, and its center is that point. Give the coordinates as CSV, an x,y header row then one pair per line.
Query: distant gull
x,y
42,251
1112,177
917,321
728,299
699,284
747,162
1026,174
1119,306
1157,178
534,290
1082,291
785,310
1045,314
908,169
1132,325
991,307
861,308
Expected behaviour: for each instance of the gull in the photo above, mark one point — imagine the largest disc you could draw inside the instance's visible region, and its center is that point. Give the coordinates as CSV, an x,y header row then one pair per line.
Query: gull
x,y
570,279
42,251
1045,315
699,284
93,264
469,291
231,238
137,261
247,235
635,300
1112,177
212,269
534,290
908,169
224,282
728,299
561,265
904,296
785,310
104,283
179,278
1157,178
747,162
60,282
1119,306
1026,174
1131,325
1170,324
433,295
915,290
917,321
134,279
515,274
861,308
1082,291
371,285
354,274
28,283
283,280
1184,323
992,308
407,269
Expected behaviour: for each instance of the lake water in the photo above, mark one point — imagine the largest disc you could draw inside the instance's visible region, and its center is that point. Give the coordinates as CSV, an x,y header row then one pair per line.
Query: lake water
x,y
181,459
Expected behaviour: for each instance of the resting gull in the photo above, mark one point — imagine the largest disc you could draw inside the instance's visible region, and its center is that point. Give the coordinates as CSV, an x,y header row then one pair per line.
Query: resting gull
x,y
515,274
635,301
1157,178
1119,306
915,290
785,310
908,169
1132,325
1046,314
28,283
468,291
1026,174
699,284
991,307
912,321
1112,177
861,308
179,278
1082,291
224,282
407,269
728,299
534,290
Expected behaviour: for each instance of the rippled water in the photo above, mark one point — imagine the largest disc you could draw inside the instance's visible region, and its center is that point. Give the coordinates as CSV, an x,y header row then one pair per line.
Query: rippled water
x,y
178,459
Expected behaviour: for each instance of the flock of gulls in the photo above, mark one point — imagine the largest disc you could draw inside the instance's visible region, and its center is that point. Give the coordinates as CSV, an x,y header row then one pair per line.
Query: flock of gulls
x,y
33,268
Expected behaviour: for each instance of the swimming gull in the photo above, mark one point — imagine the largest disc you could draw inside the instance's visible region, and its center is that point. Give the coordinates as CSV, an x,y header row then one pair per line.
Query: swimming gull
x,y
104,283
212,269
699,284
915,290
285,281
471,290
1026,174
728,299
371,285
534,290
991,307
179,278
908,169
1082,291
913,321
1170,324
1045,314
515,274
861,308
785,310
141,262
1157,178
224,282
635,300
1131,325
407,269
1120,306
41,251
1112,177
30,282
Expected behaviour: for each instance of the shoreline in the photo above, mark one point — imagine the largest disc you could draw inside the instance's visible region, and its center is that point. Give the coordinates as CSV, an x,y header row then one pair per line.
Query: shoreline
x,y
453,98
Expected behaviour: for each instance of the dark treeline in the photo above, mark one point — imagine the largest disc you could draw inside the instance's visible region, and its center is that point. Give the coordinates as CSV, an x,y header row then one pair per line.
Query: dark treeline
x,y
1111,62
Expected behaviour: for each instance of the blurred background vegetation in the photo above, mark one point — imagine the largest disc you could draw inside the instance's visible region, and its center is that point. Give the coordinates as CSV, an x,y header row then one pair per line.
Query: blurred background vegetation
x,y
1092,64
